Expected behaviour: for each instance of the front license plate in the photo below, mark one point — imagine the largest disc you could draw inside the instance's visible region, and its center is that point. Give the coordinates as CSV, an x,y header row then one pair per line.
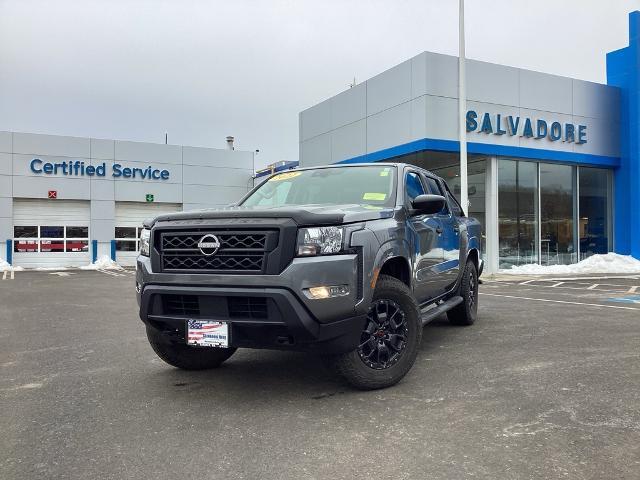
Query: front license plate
x,y
205,333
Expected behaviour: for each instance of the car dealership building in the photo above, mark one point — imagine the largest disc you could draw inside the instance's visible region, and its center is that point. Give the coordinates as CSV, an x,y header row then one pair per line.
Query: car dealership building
x,y
65,201
553,164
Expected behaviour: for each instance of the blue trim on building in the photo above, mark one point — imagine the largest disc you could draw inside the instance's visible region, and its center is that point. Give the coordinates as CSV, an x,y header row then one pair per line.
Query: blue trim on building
x,y
486,149
623,72
9,252
113,250
94,251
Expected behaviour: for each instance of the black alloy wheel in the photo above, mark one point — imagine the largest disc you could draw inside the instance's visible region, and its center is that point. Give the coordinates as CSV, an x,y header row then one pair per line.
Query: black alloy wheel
x,y
384,339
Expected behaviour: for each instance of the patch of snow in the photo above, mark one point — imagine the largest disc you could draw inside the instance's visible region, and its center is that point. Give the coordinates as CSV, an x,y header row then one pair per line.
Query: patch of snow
x,y
6,267
103,263
49,269
608,263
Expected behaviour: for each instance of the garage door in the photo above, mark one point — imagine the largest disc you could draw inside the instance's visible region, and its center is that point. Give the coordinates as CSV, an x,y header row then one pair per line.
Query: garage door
x,y
50,233
129,218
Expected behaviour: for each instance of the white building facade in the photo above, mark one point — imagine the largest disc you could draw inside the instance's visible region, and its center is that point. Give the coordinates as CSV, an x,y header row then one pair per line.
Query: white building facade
x,y
65,201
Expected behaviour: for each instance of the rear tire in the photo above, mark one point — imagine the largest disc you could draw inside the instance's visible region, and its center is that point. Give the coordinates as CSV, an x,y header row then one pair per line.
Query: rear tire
x,y
466,312
389,341
185,357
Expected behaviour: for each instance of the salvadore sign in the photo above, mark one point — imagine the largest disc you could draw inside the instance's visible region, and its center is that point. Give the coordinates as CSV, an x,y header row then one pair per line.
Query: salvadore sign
x,y
77,168
512,125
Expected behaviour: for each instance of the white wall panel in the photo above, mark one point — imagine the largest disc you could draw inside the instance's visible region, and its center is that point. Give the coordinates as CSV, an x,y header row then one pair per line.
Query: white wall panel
x,y
6,142
102,209
418,118
596,101
442,118
102,189
152,153
389,88
419,75
315,120
137,191
6,187
389,128
209,157
6,164
232,177
540,91
316,151
38,187
490,83
600,141
349,106
103,149
348,142
442,75
54,145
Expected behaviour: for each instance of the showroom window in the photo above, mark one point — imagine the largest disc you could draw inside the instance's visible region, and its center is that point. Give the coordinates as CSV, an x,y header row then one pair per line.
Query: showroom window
x,y
594,205
552,214
127,239
517,212
50,239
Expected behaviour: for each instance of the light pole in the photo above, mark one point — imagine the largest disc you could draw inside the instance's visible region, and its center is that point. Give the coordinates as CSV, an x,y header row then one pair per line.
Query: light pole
x,y
462,107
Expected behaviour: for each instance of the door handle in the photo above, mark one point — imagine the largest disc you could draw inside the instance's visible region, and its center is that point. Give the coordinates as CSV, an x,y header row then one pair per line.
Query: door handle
x,y
438,230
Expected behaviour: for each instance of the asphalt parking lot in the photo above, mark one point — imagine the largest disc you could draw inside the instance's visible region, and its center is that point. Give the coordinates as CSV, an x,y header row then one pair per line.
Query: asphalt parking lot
x,y
545,385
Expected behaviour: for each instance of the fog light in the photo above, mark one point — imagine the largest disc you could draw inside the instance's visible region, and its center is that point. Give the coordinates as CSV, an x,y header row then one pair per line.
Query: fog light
x,y
316,293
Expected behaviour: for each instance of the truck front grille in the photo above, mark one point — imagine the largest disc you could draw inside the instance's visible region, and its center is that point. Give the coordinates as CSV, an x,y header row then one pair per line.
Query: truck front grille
x,y
239,252
181,305
247,307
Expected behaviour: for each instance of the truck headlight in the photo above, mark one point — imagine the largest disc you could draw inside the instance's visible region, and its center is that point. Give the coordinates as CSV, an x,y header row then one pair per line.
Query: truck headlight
x,y
319,241
145,236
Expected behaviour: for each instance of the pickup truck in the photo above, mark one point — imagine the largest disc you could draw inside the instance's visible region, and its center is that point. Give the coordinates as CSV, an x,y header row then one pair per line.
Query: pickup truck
x,y
345,261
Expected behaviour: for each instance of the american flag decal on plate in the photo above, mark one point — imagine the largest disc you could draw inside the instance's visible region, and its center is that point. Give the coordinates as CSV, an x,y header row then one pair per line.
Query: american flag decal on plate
x,y
206,333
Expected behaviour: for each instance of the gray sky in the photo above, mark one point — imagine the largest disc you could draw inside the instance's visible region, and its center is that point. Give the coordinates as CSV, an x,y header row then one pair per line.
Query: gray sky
x,y
202,70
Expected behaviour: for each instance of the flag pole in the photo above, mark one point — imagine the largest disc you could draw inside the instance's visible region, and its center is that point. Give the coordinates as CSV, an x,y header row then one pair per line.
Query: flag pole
x,y
462,106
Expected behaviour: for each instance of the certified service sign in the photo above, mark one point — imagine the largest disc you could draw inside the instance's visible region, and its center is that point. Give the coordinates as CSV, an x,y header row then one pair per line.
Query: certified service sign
x,y
209,244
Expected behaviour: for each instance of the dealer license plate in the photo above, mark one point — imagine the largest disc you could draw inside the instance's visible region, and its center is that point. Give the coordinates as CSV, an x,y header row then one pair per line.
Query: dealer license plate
x,y
205,333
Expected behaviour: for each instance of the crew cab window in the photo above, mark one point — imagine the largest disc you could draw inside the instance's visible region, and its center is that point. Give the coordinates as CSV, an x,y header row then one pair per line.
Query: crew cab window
x,y
454,206
413,186
432,185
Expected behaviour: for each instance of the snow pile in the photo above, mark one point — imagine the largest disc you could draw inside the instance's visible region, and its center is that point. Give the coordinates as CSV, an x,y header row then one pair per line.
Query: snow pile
x,y
6,267
103,263
609,263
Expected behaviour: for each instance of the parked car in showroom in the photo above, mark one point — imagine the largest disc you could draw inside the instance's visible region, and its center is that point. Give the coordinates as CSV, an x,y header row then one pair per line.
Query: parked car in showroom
x,y
347,261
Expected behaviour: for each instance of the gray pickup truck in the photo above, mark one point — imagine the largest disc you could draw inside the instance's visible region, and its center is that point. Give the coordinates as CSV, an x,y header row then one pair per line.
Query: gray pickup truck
x,y
348,261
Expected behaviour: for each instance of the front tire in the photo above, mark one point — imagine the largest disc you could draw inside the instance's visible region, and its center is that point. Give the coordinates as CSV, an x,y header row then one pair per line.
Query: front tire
x,y
389,342
185,357
466,312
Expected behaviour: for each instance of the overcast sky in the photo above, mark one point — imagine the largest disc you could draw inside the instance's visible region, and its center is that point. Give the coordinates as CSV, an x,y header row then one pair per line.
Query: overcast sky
x,y
202,70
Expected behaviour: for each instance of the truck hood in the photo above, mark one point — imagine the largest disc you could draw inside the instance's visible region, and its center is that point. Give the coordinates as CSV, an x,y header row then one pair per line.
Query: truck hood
x,y
303,215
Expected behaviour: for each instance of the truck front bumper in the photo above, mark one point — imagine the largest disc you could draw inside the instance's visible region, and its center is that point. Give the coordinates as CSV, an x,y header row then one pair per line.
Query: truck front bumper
x,y
263,311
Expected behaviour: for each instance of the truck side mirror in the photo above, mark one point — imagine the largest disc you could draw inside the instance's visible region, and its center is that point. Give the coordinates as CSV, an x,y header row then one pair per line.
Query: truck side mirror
x,y
427,204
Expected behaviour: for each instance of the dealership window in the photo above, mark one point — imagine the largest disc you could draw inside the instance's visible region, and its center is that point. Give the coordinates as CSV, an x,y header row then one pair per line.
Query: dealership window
x,y
517,212
594,207
127,239
50,239
557,188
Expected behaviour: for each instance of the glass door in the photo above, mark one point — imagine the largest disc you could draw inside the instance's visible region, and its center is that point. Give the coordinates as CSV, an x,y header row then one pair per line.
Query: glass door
x,y
517,213
557,241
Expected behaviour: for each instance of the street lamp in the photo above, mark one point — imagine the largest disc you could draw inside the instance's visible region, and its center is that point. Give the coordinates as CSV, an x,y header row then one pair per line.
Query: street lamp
x,y
462,107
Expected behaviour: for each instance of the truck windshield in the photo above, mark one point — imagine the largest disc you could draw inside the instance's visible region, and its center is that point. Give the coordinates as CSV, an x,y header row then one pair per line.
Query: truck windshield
x,y
361,185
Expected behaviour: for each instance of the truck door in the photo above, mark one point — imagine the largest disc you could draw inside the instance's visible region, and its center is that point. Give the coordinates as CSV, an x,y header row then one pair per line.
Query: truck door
x,y
424,233
452,237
